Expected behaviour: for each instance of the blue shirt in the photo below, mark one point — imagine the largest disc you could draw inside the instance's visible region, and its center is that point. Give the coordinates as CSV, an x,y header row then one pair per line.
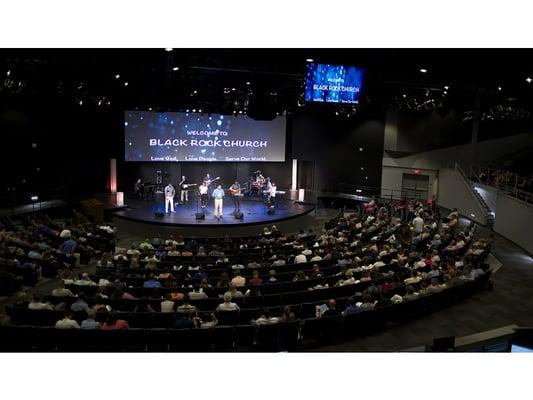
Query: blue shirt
x,y
152,284
68,246
183,324
218,193
90,324
352,310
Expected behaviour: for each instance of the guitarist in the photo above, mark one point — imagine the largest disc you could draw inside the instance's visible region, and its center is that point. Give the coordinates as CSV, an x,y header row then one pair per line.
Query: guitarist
x,y
184,187
235,191
208,180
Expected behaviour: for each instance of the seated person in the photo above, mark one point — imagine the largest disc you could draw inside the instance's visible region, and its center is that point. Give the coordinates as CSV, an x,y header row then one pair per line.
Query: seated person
x,y
67,322
113,323
227,305
266,319
90,322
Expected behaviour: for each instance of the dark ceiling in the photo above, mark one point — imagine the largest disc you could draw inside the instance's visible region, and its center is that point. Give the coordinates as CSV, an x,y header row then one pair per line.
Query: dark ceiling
x,y
233,80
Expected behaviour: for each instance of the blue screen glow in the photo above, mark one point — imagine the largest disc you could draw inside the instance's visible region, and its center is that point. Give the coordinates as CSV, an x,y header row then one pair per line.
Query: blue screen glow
x,y
333,83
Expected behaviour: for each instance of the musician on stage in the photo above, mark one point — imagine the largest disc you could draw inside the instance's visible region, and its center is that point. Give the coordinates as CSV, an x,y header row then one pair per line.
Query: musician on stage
x,y
184,187
272,195
170,192
139,188
203,188
235,191
218,195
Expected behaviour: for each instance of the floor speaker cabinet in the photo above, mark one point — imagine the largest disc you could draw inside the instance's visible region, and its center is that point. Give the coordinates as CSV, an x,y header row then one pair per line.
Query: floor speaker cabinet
x,y
159,214
199,215
238,215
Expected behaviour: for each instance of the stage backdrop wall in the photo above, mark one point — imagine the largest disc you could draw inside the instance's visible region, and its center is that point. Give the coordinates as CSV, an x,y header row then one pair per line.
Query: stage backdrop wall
x,y
328,150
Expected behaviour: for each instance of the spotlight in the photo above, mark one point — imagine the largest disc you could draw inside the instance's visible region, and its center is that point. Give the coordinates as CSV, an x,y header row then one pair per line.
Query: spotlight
x,y
360,149
423,70
240,111
80,102
199,111
8,72
196,91
529,80
194,110
175,68
446,87
404,96
499,88
34,198
126,83
233,89
309,60
362,168
168,48
248,83
117,76
358,191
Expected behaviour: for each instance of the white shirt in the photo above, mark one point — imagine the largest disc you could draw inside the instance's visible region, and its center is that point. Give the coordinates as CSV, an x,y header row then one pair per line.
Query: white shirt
x,y
418,224
203,189
40,306
273,190
170,191
227,307
67,323
300,258
167,306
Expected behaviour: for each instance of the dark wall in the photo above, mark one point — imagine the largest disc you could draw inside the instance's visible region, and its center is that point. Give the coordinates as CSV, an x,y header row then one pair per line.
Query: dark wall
x,y
50,150
333,146
422,132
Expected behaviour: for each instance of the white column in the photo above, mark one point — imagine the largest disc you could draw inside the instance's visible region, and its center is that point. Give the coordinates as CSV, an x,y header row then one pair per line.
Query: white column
x,y
294,174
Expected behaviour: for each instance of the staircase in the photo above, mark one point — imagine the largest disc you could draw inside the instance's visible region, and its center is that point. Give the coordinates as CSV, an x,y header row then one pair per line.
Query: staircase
x,y
489,215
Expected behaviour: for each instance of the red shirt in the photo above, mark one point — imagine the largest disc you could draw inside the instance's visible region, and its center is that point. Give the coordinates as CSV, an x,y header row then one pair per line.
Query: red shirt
x,y
255,281
119,324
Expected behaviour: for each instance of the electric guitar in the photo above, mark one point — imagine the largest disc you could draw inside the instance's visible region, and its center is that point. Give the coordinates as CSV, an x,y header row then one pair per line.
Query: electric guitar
x,y
188,185
212,180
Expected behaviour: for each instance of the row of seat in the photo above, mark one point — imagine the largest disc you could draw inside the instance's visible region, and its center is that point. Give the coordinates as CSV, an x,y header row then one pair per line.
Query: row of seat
x,y
292,335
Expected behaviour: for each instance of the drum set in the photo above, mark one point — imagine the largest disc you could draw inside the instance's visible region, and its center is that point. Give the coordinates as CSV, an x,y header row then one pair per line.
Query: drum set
x,y
256,185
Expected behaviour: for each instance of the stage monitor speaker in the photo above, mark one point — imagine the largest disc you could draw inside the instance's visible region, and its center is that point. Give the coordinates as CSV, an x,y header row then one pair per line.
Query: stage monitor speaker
x,y
238,215
271,211
199,215
159,214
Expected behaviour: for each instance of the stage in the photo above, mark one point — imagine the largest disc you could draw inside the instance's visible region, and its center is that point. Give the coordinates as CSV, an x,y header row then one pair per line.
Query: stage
x,y
254,213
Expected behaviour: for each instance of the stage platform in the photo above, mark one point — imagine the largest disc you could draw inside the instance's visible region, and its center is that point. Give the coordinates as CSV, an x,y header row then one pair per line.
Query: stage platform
x,y
255,213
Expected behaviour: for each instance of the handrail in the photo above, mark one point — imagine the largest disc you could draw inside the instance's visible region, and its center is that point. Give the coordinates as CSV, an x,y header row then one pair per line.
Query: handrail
x,y
493,177
473,190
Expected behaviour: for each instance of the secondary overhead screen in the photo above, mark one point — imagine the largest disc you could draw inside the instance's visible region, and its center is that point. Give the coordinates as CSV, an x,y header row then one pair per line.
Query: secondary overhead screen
x,y
328,83
176,136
